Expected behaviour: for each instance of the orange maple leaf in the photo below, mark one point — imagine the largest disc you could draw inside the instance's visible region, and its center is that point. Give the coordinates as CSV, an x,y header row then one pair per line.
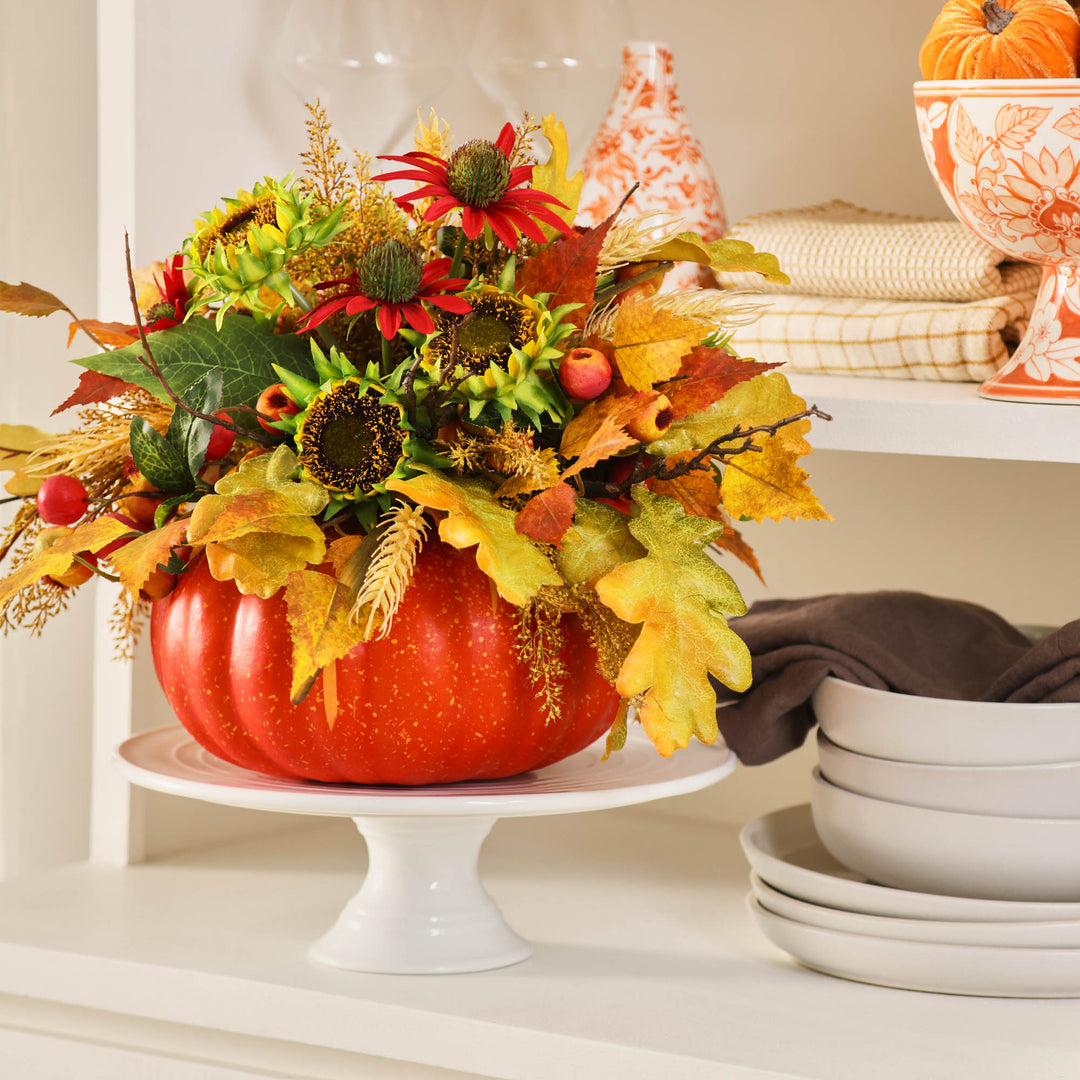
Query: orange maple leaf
x,y
547,516
705,376
567,270
731,540
698,491
115,334
93,387
619,409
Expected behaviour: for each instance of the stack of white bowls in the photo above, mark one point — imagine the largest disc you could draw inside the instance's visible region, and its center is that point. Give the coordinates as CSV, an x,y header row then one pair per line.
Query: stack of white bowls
x,y
941,848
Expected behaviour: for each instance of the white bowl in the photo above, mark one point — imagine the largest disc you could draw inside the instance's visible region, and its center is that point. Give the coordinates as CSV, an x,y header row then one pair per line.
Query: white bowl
x,y
1027,791
938,851
940,731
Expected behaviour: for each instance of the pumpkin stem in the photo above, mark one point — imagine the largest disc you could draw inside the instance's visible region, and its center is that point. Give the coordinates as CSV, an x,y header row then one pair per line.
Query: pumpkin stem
x,y
997,17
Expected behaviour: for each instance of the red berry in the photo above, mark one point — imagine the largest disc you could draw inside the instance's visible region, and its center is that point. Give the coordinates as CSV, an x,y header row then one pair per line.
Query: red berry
x,y
221,440
61,500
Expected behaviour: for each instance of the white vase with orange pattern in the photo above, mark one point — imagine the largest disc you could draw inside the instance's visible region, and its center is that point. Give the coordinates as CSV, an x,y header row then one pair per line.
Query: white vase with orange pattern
x,y
646,139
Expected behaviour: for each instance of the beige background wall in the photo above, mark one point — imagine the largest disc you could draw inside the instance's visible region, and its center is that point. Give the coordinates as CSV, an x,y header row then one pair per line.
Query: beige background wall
x,y
794,104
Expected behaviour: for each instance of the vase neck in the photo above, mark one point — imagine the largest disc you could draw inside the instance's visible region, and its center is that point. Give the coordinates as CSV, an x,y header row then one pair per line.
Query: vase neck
x,y
649,64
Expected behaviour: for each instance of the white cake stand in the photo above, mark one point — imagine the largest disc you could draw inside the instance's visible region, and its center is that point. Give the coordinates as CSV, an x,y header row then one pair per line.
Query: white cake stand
x,y
422,908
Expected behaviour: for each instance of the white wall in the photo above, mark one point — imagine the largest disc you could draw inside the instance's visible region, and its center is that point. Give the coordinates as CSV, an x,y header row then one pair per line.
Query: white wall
x,y
48,202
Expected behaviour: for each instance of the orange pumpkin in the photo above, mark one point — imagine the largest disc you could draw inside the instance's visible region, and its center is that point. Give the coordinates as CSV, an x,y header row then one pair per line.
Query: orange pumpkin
x,y
1002,39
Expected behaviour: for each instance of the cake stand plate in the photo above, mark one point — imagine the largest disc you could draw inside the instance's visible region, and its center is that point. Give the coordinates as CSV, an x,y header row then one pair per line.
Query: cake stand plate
x,y
422,908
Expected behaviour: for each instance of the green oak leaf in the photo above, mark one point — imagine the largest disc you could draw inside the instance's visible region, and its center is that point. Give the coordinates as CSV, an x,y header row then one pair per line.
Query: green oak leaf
x,y
243,350
190,435
157,459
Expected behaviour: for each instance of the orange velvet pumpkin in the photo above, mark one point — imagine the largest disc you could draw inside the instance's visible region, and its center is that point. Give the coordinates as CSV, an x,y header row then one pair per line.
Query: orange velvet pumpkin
x,y
1002,39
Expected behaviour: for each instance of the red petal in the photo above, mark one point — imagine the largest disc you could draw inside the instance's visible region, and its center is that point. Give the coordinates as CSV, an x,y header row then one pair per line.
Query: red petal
x,y
434,270
359,303
520,175
524,223
458,305
502,227
411,174
389,320
411,157
418,318
440,207
507,138
318,315
531,195
472,221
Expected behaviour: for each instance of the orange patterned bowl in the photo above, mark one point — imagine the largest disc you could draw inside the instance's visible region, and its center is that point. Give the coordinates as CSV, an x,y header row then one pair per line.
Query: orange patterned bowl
x,y
1006,157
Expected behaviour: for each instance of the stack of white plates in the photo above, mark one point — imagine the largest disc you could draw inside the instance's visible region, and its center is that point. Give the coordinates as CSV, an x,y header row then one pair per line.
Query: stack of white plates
x,y
837,921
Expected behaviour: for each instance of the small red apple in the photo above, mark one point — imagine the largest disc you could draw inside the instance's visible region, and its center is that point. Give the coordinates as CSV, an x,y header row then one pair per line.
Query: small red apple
x,y
221,439
275,402
62,500
643,289
140,501
653,421
76,574
585,373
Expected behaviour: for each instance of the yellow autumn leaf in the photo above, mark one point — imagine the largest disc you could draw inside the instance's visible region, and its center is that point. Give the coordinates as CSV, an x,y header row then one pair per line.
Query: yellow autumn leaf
x,y
139,558
16,443
474,517
551,176
649,342
681,598
91,536
597,542
318,612
258,527
771,485
260,563
757,484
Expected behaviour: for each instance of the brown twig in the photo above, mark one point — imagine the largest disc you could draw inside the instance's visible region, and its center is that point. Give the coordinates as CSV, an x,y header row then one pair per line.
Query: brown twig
x,y
151,365
737,441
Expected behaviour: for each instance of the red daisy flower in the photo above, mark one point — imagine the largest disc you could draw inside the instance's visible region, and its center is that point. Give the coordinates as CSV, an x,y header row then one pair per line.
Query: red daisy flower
x,y
171,307
392,278
478,180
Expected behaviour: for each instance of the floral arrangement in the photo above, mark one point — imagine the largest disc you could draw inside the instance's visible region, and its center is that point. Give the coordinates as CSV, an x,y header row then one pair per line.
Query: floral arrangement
x,y
325,373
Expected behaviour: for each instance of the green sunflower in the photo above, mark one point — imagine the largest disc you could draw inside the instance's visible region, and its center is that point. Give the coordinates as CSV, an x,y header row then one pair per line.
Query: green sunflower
x,y
504,348
242,248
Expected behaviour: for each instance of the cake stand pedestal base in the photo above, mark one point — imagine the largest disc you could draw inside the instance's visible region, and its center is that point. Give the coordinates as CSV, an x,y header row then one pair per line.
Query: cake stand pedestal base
x,y
422,908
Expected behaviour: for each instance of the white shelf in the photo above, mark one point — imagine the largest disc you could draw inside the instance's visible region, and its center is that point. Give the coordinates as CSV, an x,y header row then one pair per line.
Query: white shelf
x,y
647,966
899,416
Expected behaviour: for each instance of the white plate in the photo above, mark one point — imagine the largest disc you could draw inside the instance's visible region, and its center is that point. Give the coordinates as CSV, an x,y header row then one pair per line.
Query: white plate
x,y
168,759
785,850
1024,935
939,731
983,971
937,851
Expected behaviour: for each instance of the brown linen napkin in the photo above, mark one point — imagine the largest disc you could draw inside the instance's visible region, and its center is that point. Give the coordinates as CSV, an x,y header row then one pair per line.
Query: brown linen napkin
x,y
906,642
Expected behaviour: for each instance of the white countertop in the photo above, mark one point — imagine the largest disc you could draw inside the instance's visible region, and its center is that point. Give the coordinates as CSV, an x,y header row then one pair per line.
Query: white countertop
x,y
646,965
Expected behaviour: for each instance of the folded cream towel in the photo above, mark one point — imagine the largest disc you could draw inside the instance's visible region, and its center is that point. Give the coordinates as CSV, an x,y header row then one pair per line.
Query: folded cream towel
x,y
838,249
934,341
